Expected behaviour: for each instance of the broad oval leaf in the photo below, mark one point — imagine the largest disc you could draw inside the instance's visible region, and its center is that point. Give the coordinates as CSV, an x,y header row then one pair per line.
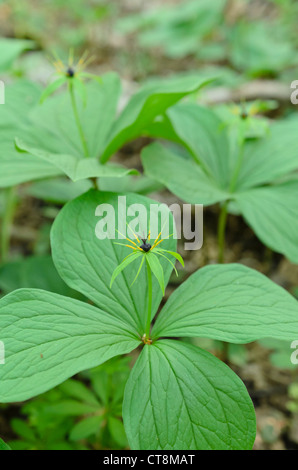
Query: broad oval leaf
x,y
230,303
204,135
20,97
55,116
17,168
75,168
181,175
181,397
270,158
86,427
87,264
50,132
49,338
37,272
10,49
151,101
272,212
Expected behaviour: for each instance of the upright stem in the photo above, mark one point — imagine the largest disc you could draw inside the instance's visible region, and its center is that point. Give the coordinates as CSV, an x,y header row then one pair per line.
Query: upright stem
x,y
7,222
237,169
77,118
222,223
149,311
241,144
95,184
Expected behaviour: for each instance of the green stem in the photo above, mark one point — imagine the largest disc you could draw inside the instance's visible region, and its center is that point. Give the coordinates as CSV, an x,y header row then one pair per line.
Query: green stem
x,y
222,223
95,184
237,169
224,212
241,143
77,118
10,204
149,311
221,248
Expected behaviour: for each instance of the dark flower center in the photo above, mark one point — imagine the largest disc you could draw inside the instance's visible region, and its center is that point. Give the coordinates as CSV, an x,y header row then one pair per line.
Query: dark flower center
x,y
70,72
146,247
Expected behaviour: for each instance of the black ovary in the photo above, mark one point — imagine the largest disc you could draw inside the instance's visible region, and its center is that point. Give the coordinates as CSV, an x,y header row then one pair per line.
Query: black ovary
x,y
70,72
146,247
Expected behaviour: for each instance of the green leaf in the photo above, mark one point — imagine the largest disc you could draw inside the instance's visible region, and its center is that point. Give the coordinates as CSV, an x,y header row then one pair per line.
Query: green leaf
x,y
271,157
59,190
76,168
101,385
90,270
230,303
251,47
55,116
20,97
49,338
78,390
117,431
70,408
181,175
86,428
205,136
10,49
180,397
218,166
4,446
272,212
140,184
17,168
21,428
151,101
178,29
48,130
37,272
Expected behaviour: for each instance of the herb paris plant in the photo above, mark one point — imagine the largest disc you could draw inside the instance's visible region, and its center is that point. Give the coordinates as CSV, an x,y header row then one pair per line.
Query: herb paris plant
x,y
57,135
75,133
257,176
177,396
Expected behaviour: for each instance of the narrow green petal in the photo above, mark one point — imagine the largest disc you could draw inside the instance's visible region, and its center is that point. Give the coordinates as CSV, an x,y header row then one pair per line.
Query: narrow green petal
x,y
173,253
52,88
139,270
172,264
157,270
123,265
